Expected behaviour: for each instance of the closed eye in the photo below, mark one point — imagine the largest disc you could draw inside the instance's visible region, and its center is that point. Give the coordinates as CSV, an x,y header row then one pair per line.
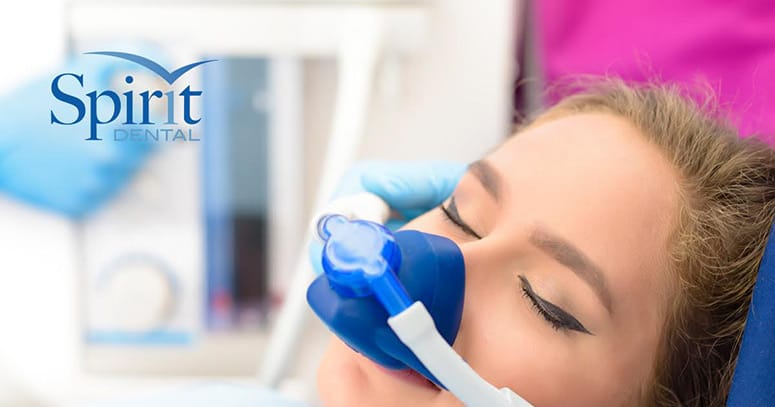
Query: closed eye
x,y
558,318
452,214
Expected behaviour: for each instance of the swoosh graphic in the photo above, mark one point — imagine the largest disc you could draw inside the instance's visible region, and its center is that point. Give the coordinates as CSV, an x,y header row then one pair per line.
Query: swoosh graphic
x,y
169,77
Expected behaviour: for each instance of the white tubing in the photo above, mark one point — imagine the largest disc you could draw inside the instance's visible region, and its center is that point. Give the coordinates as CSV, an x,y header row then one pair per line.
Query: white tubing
x,y
415,327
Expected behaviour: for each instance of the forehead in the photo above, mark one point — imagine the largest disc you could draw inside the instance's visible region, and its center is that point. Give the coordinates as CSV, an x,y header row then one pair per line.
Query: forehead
x,y
595,180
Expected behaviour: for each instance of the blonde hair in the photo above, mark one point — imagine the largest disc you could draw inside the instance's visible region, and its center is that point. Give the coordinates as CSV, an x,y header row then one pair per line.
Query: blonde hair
x,y
727,204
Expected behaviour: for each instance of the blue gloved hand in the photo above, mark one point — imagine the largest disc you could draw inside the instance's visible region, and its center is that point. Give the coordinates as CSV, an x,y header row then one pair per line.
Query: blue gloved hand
x,y
410,188
52,166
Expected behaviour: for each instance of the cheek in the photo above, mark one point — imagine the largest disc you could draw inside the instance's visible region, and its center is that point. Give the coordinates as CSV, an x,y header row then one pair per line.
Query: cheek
x,y
496,337
509,345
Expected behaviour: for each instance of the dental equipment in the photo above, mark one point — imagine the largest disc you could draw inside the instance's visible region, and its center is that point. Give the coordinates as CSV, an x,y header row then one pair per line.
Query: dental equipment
x,y
398,299
358,61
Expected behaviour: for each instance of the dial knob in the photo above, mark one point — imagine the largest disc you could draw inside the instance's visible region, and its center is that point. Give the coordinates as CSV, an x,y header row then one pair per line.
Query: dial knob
x,y
136,295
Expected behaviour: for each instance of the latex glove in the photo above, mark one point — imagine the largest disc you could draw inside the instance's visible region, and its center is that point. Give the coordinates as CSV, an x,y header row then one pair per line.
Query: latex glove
x,y
410,188
53,166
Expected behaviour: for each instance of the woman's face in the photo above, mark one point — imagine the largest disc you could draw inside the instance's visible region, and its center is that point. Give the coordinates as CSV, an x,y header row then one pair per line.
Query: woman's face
x,y
564,233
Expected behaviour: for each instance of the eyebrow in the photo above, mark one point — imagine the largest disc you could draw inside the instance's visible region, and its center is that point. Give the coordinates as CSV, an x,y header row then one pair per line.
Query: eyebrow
x,y
488,177
571,257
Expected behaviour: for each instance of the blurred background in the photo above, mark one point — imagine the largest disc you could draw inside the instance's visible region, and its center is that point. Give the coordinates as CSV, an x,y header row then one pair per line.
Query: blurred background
x,y
136,266
176,277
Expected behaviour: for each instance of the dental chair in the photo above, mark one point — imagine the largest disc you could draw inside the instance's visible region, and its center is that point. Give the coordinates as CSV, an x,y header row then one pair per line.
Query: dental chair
x,y
754,381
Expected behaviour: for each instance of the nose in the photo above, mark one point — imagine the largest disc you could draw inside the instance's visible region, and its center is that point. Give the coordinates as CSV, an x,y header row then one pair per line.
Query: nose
x,y
484,283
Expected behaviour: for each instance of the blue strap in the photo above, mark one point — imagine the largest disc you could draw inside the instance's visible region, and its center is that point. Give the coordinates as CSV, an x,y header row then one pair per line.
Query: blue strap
x,y
754,380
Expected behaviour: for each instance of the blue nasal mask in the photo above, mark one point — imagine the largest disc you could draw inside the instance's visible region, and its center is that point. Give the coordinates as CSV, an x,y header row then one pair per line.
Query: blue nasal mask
x,y
429,267
397,299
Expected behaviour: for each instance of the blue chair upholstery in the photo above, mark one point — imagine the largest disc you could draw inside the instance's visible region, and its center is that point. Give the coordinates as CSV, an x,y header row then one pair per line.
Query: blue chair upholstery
x,y
754,380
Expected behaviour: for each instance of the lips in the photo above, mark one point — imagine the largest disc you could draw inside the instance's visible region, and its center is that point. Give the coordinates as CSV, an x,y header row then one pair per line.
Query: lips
x,y
409,376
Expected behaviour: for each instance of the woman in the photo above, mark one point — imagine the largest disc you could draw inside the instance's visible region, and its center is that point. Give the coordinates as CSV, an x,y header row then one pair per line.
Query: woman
x,y
611,249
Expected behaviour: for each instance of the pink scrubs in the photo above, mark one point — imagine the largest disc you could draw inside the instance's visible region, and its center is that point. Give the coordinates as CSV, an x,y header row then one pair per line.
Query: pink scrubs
x,y
729,44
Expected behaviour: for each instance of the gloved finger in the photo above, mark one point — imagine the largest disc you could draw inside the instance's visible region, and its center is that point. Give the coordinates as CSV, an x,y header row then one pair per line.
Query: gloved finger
x,y
410,214
315,251
350,182
395,224
417,185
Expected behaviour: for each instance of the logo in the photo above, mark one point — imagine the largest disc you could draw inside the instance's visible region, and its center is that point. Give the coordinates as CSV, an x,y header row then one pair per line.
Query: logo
x,y
100,107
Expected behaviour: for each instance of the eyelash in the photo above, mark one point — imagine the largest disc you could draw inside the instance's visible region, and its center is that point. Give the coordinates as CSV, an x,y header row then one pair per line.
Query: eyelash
x,y
458,222
557,324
